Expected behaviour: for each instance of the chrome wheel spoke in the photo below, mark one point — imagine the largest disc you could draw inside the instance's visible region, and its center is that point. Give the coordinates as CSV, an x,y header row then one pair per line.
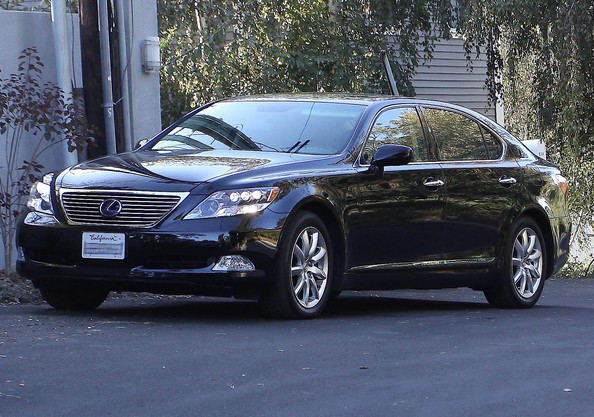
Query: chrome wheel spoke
x,y
315,294
519,248
524,239
536,254
305,244
313,245
298,253
522,287
518,276
531,241
319,255
533,271
529,288
299,286
305,296
317,272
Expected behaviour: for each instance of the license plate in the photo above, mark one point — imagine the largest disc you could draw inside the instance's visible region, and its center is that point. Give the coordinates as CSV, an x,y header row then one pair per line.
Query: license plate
x,y
103,245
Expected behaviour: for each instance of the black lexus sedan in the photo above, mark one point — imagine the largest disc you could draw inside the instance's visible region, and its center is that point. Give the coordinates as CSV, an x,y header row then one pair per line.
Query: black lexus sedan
x,y
291,199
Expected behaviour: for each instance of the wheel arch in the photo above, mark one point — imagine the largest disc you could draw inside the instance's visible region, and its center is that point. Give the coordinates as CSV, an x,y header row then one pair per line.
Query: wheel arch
x,y
329,216
543,223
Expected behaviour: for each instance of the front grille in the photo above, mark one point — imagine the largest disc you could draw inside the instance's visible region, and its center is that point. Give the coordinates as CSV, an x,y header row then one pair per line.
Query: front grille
x,y
138,209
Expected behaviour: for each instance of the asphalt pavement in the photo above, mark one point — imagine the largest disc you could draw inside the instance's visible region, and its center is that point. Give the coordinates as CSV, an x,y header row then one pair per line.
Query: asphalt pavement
x,y
401,353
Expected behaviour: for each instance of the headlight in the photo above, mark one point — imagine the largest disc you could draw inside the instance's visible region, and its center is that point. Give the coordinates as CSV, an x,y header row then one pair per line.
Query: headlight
x,y
39,197
234,202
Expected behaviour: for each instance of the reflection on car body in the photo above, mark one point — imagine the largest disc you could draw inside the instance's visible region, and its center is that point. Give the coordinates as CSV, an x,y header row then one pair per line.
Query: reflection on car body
x,y
292,199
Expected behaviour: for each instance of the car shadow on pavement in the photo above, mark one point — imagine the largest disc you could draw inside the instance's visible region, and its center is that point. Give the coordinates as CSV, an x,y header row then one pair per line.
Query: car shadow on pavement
x,y
192,309
372,304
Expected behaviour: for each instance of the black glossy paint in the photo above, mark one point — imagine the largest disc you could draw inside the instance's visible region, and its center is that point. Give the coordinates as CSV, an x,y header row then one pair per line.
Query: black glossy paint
x,y
389,229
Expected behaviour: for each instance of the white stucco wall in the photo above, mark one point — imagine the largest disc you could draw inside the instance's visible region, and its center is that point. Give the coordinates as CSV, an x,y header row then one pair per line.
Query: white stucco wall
x,y
20,29
144,88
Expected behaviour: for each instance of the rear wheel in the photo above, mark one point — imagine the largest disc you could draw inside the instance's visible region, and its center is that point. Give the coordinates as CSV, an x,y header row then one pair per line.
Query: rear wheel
x,y
524,268
303,270
73,297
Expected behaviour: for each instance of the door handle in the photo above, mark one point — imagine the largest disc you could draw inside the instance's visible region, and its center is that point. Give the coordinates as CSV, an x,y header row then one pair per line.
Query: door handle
x,y
505,180
433,183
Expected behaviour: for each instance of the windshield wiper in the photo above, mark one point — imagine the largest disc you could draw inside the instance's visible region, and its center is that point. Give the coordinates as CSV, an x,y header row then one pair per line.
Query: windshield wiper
x,y
297,146
293,147
301,146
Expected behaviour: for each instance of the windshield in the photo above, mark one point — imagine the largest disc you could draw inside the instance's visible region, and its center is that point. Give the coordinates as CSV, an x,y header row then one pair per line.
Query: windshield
x,y
278,126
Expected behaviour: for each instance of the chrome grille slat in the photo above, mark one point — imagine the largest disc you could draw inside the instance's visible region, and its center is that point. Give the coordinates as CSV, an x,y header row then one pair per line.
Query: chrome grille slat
x,y
139,209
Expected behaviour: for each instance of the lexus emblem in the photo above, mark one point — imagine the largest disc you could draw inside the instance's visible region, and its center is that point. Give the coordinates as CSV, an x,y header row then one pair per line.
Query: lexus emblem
x,y
110,208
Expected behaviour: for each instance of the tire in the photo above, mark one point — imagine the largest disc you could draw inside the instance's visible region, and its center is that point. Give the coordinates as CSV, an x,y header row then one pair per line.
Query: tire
x,y
523,272
73,297
302,281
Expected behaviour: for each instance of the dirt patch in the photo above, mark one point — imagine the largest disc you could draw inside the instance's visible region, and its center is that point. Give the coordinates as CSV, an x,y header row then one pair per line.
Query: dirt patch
x,y
17,290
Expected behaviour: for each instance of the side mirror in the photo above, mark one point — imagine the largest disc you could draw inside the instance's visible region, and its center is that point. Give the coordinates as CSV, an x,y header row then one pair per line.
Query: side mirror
x,y
141,143
391,155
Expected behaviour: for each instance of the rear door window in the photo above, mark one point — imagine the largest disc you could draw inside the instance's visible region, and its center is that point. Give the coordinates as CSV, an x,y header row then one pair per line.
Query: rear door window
x,y
460,138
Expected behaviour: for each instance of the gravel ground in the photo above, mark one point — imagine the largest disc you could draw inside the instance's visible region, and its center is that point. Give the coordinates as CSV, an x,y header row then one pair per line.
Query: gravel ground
x,y
16,290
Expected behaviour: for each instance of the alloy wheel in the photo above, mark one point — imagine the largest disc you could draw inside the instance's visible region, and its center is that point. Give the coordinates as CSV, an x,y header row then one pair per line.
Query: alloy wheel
x,y
527,263
309,267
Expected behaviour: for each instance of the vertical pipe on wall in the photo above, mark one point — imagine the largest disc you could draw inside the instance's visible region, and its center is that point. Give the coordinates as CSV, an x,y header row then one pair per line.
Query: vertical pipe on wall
x,y
124,61
110,134
63,63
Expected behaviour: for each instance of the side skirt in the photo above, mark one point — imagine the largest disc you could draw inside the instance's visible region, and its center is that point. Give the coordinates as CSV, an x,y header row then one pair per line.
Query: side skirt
x,y
474,273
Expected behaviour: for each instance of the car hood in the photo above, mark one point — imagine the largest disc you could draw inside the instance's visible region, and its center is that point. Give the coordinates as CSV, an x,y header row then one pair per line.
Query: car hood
x,y
158,168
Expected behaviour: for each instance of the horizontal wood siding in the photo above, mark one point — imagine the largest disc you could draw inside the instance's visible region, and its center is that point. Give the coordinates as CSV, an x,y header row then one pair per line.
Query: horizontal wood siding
x,y
449,77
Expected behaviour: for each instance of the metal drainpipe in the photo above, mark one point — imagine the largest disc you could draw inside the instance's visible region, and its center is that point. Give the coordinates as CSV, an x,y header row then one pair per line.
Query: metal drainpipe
x,y
110,134
124,61
63,63
385,57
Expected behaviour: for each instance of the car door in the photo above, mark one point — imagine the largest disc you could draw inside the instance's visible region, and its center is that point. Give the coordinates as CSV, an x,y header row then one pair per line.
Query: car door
x,y
400,216
481,183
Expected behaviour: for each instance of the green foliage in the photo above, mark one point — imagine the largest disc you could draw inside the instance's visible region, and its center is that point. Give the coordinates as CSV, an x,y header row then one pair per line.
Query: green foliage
x,y
37,6
219,48
541,61
36,112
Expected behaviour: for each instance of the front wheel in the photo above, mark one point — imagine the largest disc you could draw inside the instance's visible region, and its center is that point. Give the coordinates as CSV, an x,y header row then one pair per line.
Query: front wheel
x,y
524,268
302,281
73,297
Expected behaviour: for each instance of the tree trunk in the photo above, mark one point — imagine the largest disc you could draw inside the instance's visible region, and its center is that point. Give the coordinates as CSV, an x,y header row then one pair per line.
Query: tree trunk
x,y
91,63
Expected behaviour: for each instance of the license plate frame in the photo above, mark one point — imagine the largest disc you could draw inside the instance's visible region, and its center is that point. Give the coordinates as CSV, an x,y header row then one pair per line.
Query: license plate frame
x,y
98,245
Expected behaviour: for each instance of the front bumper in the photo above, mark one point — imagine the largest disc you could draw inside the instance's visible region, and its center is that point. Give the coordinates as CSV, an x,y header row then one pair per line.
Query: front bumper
x,y
176,259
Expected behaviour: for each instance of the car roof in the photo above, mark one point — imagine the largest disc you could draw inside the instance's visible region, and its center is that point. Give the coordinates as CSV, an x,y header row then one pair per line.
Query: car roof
x,y
353,98
370,100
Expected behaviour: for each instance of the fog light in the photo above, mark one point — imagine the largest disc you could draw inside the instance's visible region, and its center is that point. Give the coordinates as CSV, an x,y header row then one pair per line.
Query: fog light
x,y
234,263
20,254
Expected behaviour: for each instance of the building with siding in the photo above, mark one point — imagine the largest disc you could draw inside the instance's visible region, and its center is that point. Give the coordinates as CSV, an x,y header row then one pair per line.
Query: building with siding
x,y
449,77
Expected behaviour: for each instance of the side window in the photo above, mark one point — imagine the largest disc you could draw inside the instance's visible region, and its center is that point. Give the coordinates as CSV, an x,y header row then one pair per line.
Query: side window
x,y
493,144
398,126
458,137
